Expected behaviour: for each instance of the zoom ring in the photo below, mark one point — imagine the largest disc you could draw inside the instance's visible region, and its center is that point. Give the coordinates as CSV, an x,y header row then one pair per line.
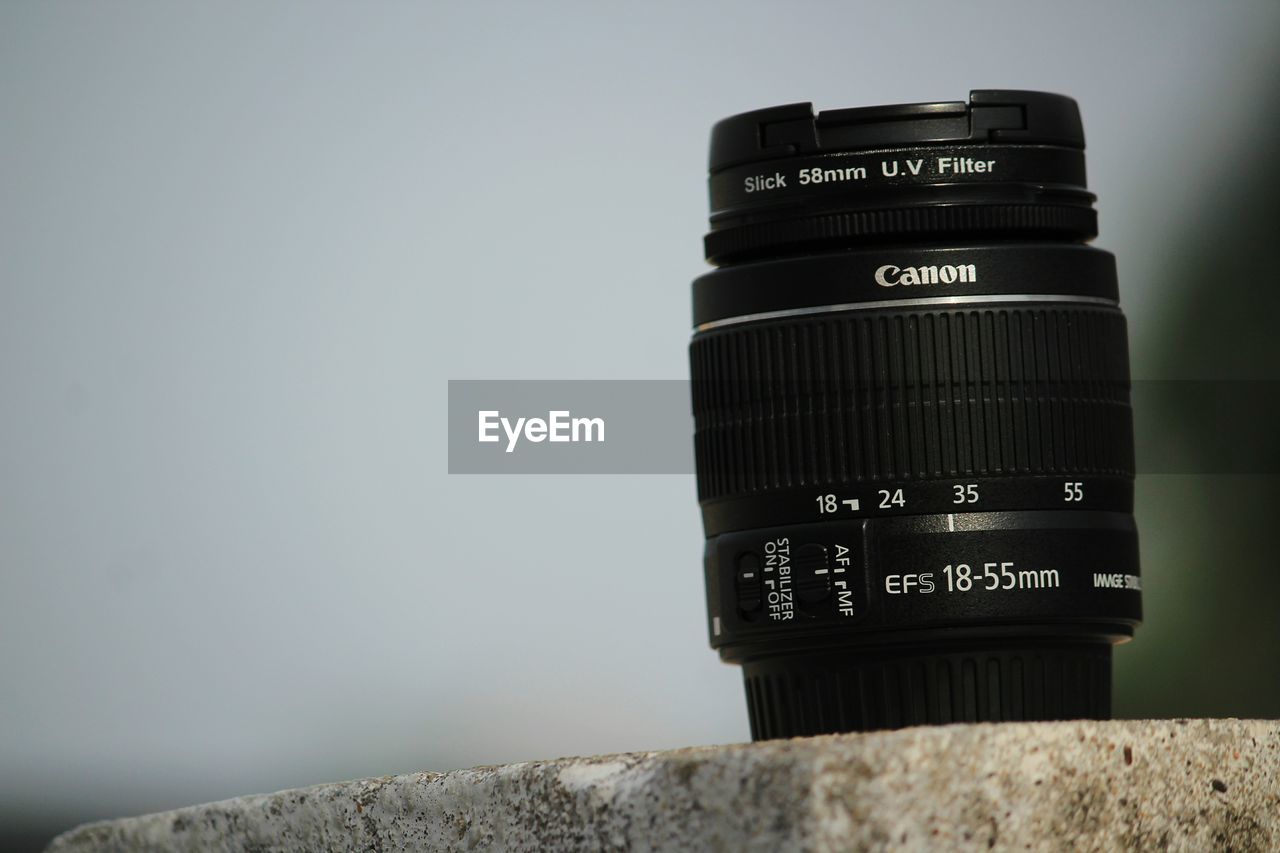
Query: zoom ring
x,y
862,396
734,242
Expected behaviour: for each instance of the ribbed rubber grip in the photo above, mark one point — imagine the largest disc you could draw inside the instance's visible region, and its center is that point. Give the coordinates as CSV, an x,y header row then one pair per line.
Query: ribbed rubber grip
x,y
858,396
847,227
862,691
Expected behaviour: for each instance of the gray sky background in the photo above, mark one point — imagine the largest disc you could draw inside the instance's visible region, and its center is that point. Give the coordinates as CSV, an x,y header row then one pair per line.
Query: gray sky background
x,y
244,245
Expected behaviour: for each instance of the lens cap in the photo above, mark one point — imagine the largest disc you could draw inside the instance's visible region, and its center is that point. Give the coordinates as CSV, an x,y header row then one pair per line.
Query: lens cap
x,y
1006,163
999,116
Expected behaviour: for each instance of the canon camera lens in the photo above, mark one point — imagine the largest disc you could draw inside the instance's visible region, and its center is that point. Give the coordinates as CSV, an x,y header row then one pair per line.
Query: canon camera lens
x,y
914,440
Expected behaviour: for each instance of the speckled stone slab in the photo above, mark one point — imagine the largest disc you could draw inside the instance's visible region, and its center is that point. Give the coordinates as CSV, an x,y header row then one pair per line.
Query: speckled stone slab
x,y
1166,784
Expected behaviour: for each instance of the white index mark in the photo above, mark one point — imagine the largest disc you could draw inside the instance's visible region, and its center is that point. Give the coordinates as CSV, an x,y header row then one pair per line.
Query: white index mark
x,y
951,523
715,625
852,503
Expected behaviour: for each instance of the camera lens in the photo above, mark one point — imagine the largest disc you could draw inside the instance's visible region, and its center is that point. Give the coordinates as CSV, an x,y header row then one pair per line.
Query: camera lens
x,y
913,437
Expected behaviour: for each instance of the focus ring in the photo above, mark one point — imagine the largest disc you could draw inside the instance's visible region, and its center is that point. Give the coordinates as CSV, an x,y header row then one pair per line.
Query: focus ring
x,y
911,395
1072,221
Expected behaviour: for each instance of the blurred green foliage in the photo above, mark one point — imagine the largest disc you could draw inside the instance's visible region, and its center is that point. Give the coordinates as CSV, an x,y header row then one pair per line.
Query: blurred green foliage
x,y
1210,645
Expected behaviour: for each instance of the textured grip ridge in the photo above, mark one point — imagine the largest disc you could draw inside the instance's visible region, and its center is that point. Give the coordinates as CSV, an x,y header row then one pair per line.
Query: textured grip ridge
x,y
861,396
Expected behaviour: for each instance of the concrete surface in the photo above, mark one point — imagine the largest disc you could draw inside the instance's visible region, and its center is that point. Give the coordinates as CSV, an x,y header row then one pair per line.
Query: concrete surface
x,y
1167,784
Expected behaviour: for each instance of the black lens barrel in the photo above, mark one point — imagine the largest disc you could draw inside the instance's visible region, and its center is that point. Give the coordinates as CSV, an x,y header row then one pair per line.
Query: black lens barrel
x,y
913,433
